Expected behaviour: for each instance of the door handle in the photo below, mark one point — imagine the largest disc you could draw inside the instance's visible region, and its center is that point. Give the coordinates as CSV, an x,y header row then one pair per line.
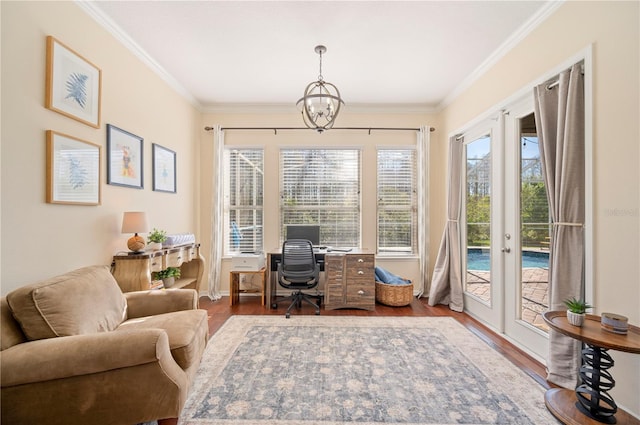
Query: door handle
x,y
506,249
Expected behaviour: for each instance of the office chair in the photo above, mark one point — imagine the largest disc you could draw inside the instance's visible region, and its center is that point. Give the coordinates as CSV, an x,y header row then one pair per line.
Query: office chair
x,y
298,270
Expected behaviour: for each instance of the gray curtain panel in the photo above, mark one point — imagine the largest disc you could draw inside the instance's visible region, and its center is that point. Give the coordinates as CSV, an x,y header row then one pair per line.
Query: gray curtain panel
x,y
559,113
446,284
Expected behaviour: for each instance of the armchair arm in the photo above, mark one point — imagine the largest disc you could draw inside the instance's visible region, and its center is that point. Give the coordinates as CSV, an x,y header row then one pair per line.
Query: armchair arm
x,y
149,303
63,357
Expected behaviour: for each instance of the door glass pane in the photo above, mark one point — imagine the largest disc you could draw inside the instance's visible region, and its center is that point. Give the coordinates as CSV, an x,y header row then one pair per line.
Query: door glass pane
x,y
478,218
534,228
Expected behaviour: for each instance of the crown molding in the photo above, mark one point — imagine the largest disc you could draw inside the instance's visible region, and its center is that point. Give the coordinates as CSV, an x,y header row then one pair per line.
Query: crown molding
x,y
286,108
525,29
116,31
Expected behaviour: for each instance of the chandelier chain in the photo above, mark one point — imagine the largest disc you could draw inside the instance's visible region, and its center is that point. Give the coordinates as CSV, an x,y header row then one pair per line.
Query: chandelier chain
x,y
320,75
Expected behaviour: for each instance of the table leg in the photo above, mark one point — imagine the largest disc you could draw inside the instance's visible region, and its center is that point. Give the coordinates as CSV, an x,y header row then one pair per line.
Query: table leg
x,y
592,394
263,276
234,288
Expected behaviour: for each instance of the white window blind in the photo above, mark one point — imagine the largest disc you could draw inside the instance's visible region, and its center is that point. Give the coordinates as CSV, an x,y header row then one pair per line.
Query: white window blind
x,y
244,182
322,186
397,201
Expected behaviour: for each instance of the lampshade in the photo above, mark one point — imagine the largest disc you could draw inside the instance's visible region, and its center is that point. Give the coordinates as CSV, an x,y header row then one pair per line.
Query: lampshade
x,y
321,102
134,222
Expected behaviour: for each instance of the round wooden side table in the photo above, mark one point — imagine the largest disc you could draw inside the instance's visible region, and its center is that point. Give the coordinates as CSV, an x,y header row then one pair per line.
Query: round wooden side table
x,y
591,403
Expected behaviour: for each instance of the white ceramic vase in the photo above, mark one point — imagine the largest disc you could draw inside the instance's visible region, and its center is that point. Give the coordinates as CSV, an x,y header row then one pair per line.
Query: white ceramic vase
x,y
576,319
154,246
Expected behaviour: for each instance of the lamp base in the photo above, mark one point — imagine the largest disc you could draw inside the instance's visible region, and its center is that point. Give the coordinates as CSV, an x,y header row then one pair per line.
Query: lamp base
x,y
136,243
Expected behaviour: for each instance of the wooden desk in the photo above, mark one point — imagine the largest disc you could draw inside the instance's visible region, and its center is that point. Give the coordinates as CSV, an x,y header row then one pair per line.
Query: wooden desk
x,y
347,291
234,284
590,403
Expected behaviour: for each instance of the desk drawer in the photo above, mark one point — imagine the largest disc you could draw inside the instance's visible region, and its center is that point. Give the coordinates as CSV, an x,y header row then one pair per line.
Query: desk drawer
x,y
361,294
175,259
360,262
155,263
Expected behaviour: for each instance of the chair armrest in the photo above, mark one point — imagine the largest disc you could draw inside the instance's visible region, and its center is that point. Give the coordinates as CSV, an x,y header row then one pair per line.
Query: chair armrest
x,y
150,303
64,357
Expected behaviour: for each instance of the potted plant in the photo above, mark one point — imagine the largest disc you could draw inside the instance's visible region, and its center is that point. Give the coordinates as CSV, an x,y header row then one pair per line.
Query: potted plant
x,y
168,276
156,237
576,310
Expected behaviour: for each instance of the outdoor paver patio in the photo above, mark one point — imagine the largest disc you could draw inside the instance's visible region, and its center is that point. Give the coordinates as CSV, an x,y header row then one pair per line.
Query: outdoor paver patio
x,y
535,292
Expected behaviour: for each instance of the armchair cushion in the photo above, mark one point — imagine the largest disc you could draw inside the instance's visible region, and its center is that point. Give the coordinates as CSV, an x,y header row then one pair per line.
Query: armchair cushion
x,y
187,331
80,302
148,303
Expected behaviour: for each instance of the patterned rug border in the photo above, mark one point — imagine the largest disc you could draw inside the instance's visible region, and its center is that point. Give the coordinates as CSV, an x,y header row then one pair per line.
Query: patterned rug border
x,y
499,370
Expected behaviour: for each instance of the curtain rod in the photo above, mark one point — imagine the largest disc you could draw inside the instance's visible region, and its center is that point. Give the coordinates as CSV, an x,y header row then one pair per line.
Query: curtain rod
x,y
275,129
556,80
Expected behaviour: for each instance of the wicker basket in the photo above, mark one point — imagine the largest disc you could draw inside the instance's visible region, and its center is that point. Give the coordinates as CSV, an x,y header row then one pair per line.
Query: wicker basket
x,y
394,295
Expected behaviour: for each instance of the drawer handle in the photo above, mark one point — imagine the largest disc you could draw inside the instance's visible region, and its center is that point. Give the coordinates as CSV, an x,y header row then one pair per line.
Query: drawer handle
x,y
360,260
361,292
154,263
360,272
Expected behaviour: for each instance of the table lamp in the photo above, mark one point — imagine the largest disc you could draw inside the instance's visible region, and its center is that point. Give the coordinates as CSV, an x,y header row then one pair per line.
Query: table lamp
x,y
134,222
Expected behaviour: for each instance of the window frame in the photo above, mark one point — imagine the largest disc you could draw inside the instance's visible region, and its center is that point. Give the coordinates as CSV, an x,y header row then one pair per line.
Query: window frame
x,y
412,249
257,208
318,209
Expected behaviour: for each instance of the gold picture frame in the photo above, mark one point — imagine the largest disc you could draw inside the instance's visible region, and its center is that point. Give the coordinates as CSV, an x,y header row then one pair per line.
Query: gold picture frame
x,y
73,170
74,85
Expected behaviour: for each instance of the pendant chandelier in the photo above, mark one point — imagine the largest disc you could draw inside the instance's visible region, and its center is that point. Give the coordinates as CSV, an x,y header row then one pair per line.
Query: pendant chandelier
x,y
321,102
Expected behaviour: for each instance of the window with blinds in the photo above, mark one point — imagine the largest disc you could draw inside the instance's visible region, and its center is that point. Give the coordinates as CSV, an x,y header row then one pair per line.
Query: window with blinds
x,y
243,195
322,186
397,201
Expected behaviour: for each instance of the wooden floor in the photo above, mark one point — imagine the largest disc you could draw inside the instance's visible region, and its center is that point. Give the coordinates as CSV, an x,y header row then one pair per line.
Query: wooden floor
x,y
219,311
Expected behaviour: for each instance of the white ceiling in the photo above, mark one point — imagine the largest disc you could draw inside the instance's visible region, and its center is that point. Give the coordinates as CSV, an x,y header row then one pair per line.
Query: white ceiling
x,y
404,53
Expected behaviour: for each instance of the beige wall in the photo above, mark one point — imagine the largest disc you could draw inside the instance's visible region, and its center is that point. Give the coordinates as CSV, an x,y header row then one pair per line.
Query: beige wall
x,y
613,30
40,240
271,142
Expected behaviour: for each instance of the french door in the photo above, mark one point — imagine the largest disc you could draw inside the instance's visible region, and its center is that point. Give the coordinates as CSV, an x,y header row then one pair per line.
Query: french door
x,y
506,228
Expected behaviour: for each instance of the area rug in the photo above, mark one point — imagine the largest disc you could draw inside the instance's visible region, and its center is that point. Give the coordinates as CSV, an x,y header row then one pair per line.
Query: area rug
x,y
325,370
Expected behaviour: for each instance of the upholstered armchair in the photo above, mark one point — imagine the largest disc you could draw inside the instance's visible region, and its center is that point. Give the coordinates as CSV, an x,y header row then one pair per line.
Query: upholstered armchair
x,y
76,350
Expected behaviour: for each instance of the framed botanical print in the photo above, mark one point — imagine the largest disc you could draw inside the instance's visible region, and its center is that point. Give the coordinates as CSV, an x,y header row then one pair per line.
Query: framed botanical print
x,y
73,170
164,169
124,158
73,85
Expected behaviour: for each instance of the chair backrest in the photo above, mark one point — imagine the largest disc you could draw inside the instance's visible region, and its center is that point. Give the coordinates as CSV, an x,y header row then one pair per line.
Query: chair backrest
x,y
298,268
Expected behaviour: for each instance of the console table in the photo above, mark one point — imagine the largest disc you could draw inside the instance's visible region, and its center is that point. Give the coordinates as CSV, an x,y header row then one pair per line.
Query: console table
x,y
133,271
590,403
